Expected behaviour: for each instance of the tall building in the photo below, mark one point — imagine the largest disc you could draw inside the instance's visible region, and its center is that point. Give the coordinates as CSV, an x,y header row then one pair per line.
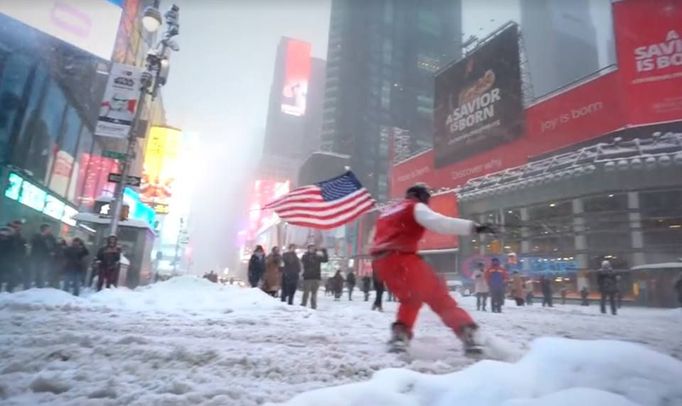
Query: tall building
x,y
295,110
382,57
560,40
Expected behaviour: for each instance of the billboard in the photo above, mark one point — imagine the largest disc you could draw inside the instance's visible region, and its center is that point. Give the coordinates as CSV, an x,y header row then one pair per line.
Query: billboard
x,y
117,110
478,100
576,115
89,25
264,191
650,58
161,167
296,78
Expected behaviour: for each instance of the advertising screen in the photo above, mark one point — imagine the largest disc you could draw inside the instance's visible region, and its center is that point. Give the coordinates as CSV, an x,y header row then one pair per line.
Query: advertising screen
x,y
161,167
264,191
478,100
89,25
296,78
650,58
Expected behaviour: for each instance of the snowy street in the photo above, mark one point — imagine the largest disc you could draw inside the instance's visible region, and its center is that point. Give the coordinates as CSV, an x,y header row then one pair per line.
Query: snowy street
x,y
188,341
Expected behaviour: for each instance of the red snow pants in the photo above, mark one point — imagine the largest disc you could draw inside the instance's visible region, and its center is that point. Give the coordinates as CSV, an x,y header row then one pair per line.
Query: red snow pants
x,y
413,282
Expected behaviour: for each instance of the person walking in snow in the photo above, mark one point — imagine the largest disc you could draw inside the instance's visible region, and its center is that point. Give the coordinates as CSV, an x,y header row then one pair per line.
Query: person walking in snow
x,y
290,274
518,291
12,255
337,285
43,248
481,287
529,291
678,289
256,266
497,277
74,265
546,287
608,286
109,259
378,291
312,262
584,294
366,286
350,282
399,229
273,275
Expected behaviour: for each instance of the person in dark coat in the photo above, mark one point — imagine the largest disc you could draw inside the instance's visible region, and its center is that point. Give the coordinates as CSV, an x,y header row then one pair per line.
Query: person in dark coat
x,y
256,266
109,259
584,294
366,286
678,289
546,287
74,265
290,274
607,280
312,262
43,250
350,281
12,255
337,285
379,291
56,274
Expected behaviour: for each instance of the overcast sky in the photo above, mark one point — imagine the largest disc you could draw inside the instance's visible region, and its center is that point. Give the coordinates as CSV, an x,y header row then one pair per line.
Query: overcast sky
x,y
220,82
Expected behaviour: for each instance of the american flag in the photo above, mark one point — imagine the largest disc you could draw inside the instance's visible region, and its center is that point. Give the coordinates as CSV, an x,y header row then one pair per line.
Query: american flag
x,y
324,205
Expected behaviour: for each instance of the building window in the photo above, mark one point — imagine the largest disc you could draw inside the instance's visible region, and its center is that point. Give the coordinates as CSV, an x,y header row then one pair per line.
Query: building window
x,y
15,69
81,164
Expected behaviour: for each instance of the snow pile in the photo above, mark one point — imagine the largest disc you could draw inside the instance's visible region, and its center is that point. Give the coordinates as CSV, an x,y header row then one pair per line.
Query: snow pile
x,y
556,371
185,294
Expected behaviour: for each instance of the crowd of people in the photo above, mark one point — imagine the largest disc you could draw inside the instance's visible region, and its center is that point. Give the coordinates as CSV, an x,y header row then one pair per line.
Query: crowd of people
x,y
496,283
47,261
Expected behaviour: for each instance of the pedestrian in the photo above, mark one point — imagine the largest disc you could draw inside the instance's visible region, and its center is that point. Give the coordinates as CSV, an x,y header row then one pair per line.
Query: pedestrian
x,y
678,289
328,287
43,250
337,285
12,255
312,262
398,231
518,290
273,272
529,292
584,295
56,274
564,293
290,274
379,289
497,278
256,266
546,287
212,276
366,286
74,265
608,286
350,281
481,287
109,259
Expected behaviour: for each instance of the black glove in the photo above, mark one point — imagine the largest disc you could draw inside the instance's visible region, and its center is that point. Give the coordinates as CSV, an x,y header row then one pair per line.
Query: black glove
x,y
486,228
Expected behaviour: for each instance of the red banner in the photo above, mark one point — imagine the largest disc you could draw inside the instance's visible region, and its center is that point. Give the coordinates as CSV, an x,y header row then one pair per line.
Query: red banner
x,y
445,204
417,169
650,58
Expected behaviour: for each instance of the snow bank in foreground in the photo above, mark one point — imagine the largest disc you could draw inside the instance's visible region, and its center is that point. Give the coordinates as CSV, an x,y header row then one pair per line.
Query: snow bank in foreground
x,y
557,371
184,294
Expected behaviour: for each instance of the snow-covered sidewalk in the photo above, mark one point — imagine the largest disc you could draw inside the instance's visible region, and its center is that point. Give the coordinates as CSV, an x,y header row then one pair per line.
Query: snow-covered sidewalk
x,y
188,341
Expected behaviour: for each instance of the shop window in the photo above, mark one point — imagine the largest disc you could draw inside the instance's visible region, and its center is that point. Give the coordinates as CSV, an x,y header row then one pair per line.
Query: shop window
x,y
661,204
81,164
15,70
31,124
609,202
608,241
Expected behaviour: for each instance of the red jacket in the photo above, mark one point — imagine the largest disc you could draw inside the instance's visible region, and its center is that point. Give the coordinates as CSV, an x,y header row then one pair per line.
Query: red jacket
x,y
496,277
397,229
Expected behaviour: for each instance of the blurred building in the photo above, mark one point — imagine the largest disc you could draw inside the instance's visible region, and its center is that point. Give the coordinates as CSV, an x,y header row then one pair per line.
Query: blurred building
x,y
321,166
382,56
295,110
52,165
561,42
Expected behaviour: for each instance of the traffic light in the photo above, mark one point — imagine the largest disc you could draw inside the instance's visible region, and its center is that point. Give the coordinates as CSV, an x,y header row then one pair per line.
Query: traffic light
x,y
125,211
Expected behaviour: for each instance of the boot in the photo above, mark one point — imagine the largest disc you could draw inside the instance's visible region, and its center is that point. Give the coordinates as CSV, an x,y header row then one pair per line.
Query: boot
x,y
470,340
377,307
400,338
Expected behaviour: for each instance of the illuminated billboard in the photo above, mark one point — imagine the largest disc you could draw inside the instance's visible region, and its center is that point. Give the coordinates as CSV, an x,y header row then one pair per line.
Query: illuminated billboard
x,y
478,100
89,25
296,78
161,167
264,191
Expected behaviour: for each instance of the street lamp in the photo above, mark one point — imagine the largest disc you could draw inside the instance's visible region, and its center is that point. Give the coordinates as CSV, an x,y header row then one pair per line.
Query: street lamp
x,y
154,76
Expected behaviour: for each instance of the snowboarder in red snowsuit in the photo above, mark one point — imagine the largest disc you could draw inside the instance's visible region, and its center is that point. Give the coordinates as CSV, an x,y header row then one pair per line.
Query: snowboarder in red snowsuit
x,y
394,251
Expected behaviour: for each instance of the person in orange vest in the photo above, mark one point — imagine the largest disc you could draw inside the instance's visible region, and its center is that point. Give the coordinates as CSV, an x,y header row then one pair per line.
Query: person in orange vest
x,y
394,251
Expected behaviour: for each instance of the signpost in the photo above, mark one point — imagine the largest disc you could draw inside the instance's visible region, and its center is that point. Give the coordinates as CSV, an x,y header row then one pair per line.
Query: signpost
x,y
134,181
121,156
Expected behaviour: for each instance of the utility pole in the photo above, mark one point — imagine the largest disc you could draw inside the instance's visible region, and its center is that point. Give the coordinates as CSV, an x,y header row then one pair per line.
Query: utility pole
x,y
154,76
